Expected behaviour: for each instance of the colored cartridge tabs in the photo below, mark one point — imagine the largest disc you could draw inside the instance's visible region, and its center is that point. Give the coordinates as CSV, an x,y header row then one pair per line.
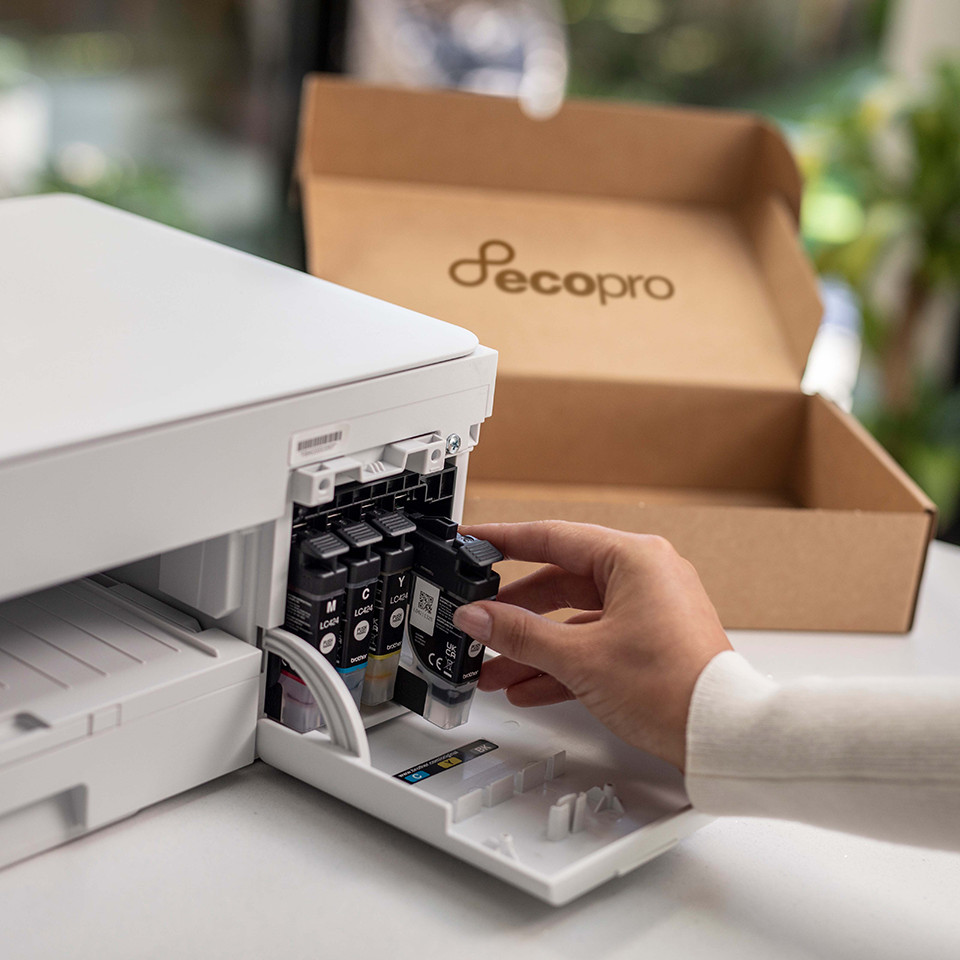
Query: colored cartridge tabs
x,y
450,570
363,571
315,597
393,595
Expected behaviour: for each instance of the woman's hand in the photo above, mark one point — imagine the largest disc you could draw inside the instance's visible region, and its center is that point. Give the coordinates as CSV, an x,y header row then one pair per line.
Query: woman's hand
x,y
631,659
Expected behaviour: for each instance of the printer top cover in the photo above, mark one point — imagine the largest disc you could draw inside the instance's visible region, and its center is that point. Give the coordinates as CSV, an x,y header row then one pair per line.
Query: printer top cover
x,y
113,323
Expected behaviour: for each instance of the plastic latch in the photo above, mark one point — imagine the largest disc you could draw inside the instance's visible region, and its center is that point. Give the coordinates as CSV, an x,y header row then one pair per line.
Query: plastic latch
x,y
324,546
479,553
424,454
392,524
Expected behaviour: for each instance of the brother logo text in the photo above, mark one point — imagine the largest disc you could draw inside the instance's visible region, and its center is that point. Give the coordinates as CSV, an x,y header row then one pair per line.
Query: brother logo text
x,y
607,286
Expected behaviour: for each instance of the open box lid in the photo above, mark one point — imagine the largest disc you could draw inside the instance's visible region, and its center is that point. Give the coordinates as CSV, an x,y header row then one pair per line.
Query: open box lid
x,y
610,242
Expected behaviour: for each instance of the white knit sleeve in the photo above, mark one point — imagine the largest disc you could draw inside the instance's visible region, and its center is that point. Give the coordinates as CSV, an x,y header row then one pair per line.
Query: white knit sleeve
x,y
874,756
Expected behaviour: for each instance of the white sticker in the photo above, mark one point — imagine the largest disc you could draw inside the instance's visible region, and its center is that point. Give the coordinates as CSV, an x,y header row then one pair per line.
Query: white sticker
x,y
308,446
327,642
361,629
396,618
423,609
475,648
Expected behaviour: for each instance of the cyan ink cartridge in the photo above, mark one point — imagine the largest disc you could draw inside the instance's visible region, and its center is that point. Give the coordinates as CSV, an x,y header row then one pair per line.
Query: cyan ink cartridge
x,y
393,595
439,669
315,591
363,571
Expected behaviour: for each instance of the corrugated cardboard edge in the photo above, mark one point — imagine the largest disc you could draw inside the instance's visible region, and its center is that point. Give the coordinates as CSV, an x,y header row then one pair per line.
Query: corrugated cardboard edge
x,y
745,151
767,568
922,500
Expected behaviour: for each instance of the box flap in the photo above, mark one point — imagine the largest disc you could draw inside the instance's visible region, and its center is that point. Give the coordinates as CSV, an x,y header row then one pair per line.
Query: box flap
x,y
610,242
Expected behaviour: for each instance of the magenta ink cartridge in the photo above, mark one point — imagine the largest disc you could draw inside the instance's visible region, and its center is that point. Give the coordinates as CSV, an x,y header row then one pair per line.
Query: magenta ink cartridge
x,y
363,572
393,595
315,593
315,605
440,665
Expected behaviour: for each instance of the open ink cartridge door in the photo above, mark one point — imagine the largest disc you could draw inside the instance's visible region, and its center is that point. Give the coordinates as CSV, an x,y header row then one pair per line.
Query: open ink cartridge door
x,y
546,799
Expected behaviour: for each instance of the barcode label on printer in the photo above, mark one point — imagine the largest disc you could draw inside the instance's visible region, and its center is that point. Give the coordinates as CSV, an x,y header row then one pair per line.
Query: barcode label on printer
x,y
308,446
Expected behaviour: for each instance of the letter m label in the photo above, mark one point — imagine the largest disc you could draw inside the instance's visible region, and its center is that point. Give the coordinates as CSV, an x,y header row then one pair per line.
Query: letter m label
x,y
332,606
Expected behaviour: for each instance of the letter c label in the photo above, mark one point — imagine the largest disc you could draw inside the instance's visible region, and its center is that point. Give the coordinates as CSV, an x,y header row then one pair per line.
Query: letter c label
x,y
536,282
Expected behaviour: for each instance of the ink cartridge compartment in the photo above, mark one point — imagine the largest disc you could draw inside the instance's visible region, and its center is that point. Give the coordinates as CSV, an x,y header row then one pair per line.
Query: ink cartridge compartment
x,y
546,799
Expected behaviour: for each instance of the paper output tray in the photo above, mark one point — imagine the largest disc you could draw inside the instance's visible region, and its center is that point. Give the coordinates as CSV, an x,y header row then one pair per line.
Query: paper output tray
x,y
492,810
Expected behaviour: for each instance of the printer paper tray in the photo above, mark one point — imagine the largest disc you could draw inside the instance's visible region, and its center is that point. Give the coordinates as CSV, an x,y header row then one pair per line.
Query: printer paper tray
x,y
106,707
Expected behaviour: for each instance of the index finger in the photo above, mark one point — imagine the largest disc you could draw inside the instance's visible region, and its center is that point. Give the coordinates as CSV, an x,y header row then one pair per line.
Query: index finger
x,y
581,548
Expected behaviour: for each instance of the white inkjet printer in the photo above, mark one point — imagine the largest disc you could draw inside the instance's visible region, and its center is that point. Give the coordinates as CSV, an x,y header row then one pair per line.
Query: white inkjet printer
x,y
194,445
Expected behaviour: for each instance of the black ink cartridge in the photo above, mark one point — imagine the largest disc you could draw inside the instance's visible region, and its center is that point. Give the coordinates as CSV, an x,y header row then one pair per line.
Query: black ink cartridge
x,y
363,572
439,669
393,596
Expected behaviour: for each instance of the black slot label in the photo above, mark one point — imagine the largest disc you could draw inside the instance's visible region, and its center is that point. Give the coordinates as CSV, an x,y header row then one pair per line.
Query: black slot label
x,y
393,592
357,625
316,621
447,761
440,646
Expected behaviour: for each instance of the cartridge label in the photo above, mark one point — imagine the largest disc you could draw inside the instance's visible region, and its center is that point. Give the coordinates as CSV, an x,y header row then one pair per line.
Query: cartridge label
x,y
393,592
444,650
423,610
316,621
446,761
357,625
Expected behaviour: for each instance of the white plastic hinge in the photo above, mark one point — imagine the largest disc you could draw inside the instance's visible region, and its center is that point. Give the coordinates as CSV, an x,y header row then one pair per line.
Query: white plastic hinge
x,y
423,454
316,484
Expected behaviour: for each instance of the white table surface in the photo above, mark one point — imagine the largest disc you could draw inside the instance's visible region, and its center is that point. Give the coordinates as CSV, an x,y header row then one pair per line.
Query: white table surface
x,y
259,865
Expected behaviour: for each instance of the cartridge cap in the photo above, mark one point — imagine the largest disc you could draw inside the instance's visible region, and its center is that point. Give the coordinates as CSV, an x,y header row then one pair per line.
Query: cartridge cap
x,y
455,563
478,553
358,534
392,523
322,546
396,552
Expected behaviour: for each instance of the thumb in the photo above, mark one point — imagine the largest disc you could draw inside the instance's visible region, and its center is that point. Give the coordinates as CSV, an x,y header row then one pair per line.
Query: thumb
x,y
517,633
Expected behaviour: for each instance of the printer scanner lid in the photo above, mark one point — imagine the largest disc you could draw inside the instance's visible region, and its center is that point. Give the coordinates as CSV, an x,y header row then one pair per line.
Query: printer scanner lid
x,y
113,323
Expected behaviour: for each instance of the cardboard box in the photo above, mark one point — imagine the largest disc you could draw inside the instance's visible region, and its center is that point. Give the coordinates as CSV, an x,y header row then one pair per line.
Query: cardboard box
x,y
638,269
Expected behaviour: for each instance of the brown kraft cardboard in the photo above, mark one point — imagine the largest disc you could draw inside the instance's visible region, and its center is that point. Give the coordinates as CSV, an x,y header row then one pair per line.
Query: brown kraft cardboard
x,y
639,271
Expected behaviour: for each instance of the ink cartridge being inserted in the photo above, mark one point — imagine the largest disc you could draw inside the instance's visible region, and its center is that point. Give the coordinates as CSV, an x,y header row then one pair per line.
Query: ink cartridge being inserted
x,y
440,666
393,595
363,571
315,603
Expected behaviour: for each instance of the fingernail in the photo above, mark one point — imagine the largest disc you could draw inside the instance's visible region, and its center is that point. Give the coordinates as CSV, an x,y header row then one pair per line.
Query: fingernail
x,y
474,621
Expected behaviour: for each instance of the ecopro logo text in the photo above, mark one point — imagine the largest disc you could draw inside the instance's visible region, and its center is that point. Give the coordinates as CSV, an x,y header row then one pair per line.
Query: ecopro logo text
x,y
493,254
